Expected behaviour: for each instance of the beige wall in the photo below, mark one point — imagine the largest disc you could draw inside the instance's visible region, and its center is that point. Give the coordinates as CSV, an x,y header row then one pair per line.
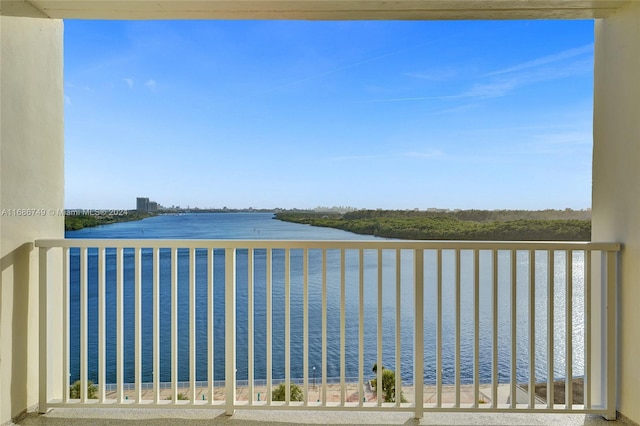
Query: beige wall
x,y
616,179
31,177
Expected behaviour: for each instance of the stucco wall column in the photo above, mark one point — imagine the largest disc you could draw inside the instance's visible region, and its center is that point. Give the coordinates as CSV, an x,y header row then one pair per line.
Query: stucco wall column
x,y
616,179
31,177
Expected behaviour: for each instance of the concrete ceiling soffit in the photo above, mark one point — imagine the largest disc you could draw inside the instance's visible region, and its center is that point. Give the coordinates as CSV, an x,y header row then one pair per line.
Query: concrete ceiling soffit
x,y
20,8
314,9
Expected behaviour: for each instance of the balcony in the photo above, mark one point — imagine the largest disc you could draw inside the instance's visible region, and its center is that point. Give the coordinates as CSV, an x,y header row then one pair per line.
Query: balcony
x,y
32,174
477,327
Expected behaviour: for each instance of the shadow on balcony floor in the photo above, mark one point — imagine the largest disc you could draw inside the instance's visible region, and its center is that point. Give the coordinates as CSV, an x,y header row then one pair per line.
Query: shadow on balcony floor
x,y
192,417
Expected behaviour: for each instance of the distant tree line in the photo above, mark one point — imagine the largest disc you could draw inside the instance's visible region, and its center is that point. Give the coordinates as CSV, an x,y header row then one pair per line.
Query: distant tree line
x,y
476,215
75,222
498,225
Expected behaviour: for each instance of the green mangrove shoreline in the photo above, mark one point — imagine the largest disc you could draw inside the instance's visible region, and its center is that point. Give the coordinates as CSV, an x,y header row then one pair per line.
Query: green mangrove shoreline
x,y
467,225
76,221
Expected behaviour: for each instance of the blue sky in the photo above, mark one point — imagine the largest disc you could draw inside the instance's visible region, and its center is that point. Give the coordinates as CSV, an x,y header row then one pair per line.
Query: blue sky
x,y
264,114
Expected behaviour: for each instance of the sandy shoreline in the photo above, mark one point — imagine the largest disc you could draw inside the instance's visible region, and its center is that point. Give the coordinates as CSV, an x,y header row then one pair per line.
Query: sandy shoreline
x,y
332,392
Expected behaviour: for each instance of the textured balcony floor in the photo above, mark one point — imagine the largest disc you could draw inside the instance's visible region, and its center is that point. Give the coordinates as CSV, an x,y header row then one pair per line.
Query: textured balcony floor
x,y
191,417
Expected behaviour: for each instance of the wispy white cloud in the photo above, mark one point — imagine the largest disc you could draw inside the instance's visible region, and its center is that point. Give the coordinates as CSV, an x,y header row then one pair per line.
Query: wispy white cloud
x,y
562,142
566,54
129,82
328,72
439,74
434,153
417,98
460,108
501,82
478,90
70,85
356,157
505,82
151,84
503,86
492,89
565,138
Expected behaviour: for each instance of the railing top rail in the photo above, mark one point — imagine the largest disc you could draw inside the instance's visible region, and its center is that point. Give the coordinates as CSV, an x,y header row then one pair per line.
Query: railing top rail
x,y
329,244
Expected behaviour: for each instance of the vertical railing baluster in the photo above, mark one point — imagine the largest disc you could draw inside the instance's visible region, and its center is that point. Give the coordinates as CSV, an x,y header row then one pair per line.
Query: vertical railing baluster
x,y
83,323
174,325
379,390
532,328
568,393
287,326
494,337
156,325
305,325
550,329
101,326
361,327
398,383
343,326
210,324
587,331
457,320
418,336
514,342
324,327
230,329
43,332
192,324
250,324
439,331
119,325
269,336
476,327
138,324
65,324
610,288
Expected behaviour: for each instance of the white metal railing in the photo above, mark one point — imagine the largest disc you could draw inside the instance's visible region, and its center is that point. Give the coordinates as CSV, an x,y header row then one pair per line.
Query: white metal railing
x,y
477,317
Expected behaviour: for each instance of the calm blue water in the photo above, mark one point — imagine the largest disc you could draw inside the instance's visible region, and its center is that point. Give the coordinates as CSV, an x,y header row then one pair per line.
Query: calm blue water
x,y
262,226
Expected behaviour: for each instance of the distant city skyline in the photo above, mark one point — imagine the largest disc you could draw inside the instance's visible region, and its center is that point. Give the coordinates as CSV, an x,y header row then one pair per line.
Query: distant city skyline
x,y
142,204
278,114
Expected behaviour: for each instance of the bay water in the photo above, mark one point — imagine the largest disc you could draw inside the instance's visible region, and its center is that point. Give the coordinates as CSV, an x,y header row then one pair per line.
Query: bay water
x,y
257,226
